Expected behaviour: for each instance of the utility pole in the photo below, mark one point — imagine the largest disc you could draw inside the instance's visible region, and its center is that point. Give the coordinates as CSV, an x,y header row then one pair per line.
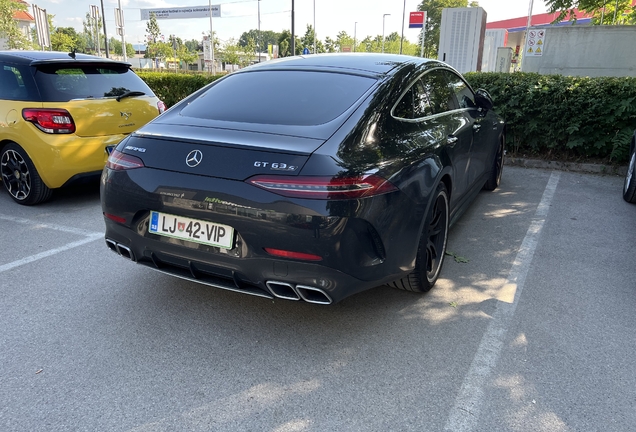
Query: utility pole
x,y
355,30
213,68
105,33
293,37
383,16
95,16
260,39
314,26
402,38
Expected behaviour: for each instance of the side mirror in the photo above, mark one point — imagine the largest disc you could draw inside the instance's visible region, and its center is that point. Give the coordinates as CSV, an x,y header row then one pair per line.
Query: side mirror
x,y
483,99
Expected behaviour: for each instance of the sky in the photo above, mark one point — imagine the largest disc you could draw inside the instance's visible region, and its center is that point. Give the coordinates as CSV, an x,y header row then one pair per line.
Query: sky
x,y
362,17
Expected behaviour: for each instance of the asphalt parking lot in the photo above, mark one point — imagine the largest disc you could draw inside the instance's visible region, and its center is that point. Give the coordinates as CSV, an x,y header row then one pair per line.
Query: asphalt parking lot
x,y
532,327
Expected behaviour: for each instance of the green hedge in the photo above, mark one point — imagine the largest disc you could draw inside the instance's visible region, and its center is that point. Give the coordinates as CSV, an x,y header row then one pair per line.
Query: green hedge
x,y
548,116
172,87
564,117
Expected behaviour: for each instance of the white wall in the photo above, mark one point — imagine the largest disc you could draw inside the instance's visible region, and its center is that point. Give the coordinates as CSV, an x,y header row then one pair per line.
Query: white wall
x,y
586,51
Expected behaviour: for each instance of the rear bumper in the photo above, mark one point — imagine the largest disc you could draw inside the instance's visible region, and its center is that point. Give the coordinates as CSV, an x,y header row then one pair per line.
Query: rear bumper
x,y
363,243
261,276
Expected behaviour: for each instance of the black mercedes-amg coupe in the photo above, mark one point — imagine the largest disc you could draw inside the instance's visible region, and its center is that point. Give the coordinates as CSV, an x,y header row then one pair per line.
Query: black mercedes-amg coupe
x,y
307,178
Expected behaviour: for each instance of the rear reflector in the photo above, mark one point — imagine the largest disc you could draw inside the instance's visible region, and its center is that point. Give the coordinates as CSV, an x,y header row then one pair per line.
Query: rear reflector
x,y
293,255
52,121
332,188
119,161
117,219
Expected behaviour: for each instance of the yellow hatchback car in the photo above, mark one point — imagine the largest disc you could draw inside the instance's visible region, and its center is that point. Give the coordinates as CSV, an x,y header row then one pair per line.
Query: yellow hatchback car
x,y
60,116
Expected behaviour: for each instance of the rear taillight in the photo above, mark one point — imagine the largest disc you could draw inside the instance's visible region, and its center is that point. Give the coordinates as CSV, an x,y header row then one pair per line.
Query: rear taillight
x,y
52,121
332,188
119,161
161,107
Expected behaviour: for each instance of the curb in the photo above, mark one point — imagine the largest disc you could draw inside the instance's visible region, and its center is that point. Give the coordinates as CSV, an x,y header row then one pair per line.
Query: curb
x,y
589,168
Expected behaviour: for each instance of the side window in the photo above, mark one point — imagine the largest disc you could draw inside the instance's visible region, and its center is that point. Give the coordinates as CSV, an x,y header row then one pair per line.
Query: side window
x,y
414,104
11,83
463,93
439,93
421,104
404,108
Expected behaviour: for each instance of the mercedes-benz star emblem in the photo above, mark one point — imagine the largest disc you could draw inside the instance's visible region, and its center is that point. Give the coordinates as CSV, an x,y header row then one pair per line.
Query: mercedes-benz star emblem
x,y
194,158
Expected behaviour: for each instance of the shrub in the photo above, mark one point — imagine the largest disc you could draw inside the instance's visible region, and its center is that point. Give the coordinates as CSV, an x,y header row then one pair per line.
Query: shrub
x,y
563,116
172,87
550,116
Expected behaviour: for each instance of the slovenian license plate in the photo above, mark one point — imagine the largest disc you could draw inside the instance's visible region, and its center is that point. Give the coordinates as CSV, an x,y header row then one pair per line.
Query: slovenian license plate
x,y
194,230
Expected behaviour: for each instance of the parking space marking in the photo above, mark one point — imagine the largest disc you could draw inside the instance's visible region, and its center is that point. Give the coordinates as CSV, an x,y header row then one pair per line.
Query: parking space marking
x,y
55,227
89,236
464,415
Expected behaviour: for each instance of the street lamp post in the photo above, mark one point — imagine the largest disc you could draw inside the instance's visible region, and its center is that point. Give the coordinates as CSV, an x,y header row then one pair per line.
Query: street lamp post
x,y
355,29
383,16
314,26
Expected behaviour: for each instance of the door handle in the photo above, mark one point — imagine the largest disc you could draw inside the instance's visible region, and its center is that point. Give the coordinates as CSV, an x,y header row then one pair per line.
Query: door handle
x,y
476,127
452,140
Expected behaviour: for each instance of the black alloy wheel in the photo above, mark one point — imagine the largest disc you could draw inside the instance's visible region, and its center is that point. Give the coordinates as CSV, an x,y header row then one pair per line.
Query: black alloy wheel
x,y
494,180
20,178
629,190
432,248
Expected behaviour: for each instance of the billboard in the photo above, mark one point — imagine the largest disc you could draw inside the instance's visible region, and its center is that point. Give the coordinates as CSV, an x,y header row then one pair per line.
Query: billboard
x,y
182,12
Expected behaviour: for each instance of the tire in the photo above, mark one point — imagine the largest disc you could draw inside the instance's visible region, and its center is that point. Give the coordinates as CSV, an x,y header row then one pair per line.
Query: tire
x,y
432,247
629,190
494,180
20,178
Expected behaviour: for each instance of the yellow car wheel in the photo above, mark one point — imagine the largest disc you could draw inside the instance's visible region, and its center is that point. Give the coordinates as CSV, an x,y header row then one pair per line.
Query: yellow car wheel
x,y
20,178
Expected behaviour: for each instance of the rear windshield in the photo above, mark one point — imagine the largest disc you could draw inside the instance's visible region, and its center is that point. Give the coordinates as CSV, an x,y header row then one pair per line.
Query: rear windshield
x,y
61,83
295,98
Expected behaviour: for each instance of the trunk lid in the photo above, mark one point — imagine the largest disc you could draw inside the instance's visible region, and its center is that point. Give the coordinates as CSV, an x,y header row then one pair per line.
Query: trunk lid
x,y
222,153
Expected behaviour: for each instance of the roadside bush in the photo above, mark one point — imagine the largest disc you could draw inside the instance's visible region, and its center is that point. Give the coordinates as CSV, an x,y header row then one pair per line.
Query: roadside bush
x,y
547,116
555,116
172,87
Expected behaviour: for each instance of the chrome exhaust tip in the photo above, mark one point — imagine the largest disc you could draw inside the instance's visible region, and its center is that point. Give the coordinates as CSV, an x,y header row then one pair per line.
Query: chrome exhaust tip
x,y
120,249
282,290
313,295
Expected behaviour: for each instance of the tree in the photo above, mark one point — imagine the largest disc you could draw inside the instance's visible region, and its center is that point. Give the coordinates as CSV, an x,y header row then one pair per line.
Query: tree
x,y
193,45
9,26
267,37
330,45
433,10
91,25
307,41
115,46
153,35
342,40
187,56
61,41
284,45
607,11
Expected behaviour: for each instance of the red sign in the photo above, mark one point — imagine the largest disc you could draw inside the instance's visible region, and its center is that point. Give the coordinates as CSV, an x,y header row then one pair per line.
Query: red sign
x,y
416,19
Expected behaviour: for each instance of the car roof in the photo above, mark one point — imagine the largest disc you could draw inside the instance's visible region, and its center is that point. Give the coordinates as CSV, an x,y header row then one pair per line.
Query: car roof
x,y
374,63
46,57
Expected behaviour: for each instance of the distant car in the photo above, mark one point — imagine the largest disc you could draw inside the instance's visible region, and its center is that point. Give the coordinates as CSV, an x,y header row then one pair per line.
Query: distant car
x,y
60,114
629,189
306,178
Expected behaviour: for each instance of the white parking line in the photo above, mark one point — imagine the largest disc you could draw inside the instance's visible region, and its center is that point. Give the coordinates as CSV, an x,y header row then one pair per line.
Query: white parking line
x,y
36,224
464,415
89,236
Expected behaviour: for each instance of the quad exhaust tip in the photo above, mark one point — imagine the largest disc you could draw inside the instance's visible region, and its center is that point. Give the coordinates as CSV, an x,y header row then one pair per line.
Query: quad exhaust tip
x,y
120,249
287,291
